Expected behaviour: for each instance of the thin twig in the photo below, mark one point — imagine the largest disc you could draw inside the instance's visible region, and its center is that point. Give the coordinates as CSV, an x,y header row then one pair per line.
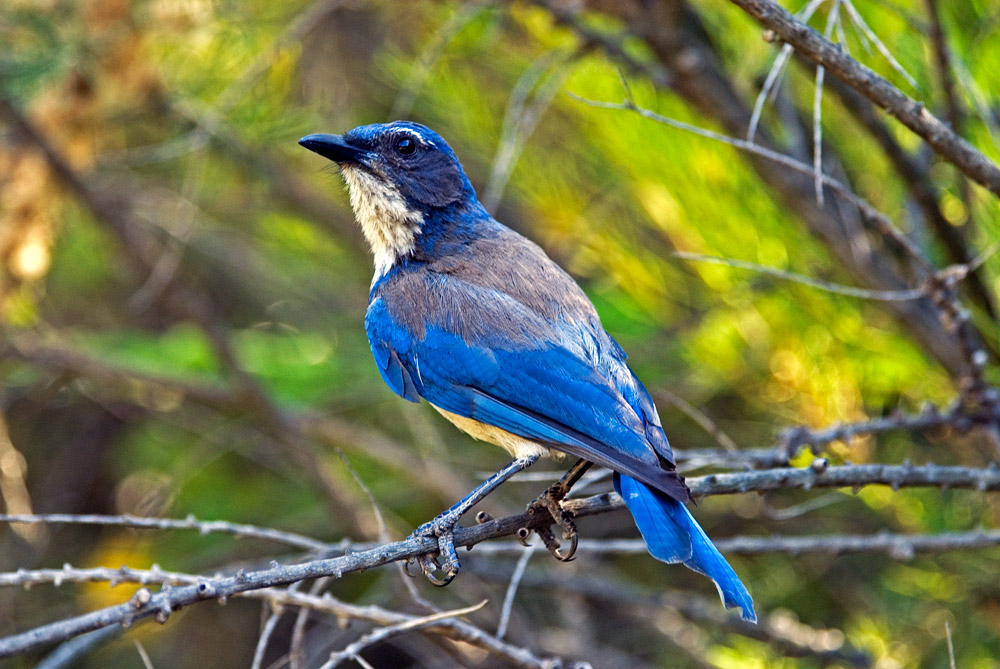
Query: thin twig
x,y
190,523
515,582
808,506
870,213
818,109
859,21
774,74
383,537
863,293
452,628
951,646
912,114
143,655
353,651
699,417
296,648
276,611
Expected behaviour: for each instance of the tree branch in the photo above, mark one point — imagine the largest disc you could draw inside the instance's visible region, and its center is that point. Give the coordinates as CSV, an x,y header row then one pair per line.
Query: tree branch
x,y
897,546
911,113
162,604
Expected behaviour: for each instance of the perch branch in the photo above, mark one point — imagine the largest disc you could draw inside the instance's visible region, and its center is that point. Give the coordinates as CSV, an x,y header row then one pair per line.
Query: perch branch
x,y
160,605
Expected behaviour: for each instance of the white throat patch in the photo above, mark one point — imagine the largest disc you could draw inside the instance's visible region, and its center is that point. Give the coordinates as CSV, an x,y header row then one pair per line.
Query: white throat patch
x,y
389,225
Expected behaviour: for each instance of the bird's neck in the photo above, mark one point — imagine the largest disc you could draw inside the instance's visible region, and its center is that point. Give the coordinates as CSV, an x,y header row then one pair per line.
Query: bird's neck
x,y
448,230
423,237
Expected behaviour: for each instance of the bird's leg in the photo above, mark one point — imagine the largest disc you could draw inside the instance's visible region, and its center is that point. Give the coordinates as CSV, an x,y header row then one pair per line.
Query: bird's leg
x,y
551,501
442,528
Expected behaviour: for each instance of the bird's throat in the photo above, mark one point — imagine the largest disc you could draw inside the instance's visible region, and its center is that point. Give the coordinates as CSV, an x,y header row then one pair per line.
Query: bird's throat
x,y
388,223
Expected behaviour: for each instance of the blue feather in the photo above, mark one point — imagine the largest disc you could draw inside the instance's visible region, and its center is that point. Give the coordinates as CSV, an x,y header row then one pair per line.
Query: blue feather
x,y
673,535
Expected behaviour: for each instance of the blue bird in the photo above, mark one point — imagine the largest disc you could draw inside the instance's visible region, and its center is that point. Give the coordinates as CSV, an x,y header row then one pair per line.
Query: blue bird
x,y
477,320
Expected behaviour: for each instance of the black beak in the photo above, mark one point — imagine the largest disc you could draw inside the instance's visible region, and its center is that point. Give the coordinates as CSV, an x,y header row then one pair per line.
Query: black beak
x,y
333,147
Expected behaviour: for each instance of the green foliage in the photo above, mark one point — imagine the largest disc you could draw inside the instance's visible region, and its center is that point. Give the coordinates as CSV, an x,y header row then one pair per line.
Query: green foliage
x,y
192,113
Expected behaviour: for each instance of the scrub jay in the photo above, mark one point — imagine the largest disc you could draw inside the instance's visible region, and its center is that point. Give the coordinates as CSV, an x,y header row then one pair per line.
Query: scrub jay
x,y
476,319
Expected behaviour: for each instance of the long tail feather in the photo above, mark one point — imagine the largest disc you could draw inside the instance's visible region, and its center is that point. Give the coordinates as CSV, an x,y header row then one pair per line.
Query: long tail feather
x,y
673,535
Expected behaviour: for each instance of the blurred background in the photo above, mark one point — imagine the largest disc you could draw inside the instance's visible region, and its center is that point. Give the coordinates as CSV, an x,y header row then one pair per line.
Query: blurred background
x,y
182,293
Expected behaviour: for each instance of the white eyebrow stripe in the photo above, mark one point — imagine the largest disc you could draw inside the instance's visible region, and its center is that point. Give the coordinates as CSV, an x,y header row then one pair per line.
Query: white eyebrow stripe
x,y
414,135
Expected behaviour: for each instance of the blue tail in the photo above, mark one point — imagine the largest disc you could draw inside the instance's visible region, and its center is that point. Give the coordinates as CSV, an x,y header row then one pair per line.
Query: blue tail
x,y
673,535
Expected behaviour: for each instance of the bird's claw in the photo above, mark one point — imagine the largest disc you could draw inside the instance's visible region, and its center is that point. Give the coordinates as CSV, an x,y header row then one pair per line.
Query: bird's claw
x,y
551,502
445,559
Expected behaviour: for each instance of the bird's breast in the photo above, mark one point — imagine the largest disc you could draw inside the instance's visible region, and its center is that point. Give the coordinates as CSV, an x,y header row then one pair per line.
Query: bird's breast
x,y
517,446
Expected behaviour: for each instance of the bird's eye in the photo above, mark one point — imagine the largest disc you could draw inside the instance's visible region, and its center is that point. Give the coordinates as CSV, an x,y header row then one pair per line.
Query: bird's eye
x,y
405,146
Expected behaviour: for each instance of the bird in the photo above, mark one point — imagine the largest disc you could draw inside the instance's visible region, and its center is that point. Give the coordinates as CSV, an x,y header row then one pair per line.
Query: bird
x,y
477,320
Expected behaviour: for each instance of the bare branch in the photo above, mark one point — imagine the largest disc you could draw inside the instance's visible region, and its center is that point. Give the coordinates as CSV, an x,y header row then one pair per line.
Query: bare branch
x,y
700,418
912,114
851,291
897,546
452,628
353,650
792,440
190,523
162,604
870,213
515,582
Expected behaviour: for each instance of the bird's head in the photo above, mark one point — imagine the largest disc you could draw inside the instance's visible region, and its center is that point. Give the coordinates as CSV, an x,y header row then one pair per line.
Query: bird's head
x,y
398,175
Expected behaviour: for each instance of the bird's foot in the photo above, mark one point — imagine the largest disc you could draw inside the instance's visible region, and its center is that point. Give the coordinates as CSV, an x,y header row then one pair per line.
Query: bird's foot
x,y
551,502
445,560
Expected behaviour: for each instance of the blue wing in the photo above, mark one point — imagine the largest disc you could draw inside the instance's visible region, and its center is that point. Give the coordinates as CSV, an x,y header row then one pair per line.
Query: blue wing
x,y
513,342
563,384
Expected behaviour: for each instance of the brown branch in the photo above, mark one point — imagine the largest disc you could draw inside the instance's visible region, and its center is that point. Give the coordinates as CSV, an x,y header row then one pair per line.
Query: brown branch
x,y
911,113
942,62
792,440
